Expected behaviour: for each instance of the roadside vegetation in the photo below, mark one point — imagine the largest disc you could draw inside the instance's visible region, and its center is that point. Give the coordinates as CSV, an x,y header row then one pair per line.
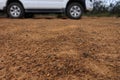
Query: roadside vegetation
x,y
100,9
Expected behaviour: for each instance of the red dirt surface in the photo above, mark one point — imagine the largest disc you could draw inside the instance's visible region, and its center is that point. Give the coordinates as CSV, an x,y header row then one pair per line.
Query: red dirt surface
x,y
60,49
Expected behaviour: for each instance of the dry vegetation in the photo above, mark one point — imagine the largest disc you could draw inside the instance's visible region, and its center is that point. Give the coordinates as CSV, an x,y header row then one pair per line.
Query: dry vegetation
x,y
60,49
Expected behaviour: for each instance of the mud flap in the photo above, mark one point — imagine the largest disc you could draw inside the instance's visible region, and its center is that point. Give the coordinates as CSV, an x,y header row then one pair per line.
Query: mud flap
x,y
89,5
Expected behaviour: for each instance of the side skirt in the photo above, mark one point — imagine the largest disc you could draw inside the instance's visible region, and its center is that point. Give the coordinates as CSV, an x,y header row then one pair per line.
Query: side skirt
x,y
37,11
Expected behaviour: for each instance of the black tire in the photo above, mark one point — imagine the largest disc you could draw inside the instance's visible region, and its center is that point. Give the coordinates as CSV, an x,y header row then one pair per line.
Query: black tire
x,y
15,13
70,8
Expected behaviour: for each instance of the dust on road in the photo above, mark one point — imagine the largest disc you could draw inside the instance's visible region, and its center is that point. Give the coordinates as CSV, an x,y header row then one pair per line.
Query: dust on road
x,y
60,49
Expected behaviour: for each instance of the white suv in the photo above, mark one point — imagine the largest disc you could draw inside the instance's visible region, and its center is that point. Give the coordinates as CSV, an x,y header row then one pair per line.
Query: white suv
x,y
21,8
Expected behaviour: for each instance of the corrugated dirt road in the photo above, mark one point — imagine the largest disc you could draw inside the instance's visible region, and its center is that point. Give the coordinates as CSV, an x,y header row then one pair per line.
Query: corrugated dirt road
x,y
60,49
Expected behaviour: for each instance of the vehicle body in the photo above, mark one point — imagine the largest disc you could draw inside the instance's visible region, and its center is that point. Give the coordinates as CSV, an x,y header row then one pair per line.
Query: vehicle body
x,y
19,8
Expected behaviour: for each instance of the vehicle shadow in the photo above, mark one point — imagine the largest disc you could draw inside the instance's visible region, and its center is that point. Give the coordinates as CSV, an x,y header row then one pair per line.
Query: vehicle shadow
x,y
49,17
38,17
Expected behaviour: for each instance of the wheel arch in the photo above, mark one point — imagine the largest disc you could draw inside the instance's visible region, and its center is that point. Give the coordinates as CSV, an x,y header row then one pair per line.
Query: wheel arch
x,y
81,2
10,1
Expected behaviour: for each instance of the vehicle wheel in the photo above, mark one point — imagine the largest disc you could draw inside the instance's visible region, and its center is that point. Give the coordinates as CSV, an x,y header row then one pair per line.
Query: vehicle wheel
x,y
15,10
29,15
74,11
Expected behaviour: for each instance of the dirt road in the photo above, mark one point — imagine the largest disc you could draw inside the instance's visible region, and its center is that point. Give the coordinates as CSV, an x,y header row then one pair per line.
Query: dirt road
x,y
60,49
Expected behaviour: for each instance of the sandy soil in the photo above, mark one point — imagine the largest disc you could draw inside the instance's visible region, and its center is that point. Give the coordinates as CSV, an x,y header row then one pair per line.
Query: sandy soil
x,y
60,49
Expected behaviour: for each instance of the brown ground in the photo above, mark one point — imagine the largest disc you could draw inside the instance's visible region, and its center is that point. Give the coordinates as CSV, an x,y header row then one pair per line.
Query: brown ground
x,y
60,49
